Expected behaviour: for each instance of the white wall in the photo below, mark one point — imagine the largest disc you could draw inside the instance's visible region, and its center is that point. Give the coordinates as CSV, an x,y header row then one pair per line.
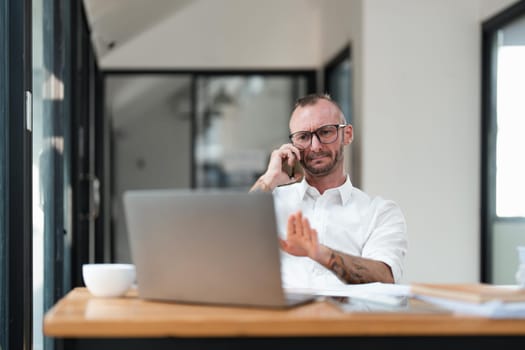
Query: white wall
x,y
421,128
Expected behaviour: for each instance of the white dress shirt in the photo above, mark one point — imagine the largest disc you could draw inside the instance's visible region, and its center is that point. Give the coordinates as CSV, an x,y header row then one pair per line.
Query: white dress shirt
x,y
347,220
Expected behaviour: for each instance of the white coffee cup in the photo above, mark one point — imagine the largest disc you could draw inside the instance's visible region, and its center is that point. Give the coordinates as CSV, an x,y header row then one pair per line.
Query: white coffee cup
x,y
108,280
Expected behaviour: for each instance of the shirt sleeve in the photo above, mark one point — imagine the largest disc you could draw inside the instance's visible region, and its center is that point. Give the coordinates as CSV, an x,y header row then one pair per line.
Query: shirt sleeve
x,y
387,240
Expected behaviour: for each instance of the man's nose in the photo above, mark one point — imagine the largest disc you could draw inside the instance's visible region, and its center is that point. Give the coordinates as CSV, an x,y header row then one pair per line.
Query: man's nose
x,y
316,144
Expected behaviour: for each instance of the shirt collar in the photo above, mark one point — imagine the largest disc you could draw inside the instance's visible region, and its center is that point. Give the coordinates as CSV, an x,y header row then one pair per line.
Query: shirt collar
x,y
344,191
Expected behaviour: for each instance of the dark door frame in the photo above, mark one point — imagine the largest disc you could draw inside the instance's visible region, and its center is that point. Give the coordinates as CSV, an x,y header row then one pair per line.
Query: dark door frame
x,y
345,54
488,131
18,143
83,80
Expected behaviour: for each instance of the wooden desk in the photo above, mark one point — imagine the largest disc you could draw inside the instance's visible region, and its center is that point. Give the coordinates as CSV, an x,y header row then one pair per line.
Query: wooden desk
x,y
85,322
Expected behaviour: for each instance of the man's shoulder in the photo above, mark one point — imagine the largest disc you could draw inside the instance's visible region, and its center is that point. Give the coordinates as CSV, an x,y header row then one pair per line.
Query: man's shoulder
x,y
373,201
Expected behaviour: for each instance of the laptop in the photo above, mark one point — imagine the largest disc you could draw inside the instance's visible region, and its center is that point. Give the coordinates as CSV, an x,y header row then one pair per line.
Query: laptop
x,y
207,247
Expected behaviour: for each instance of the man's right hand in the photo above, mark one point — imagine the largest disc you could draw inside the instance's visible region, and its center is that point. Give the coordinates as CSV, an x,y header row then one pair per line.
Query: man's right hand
x,y
281,159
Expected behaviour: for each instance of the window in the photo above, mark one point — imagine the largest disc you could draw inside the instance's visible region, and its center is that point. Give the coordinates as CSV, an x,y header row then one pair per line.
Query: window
x,y
240,120
47,163
503,126
43,168
510,120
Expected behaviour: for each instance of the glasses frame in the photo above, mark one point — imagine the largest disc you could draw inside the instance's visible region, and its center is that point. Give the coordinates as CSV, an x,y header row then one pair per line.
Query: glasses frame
x,y
337,126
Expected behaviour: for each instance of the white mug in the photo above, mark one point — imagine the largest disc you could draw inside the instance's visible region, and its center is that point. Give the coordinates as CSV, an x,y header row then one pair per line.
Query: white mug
x,y
108,280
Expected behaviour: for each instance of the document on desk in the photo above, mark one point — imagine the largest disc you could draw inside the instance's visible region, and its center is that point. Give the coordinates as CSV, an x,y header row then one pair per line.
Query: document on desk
x,y
490,309
379,294
486,300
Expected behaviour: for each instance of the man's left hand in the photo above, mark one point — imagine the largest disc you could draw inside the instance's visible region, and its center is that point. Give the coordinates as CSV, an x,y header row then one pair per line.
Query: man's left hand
x,y
301,238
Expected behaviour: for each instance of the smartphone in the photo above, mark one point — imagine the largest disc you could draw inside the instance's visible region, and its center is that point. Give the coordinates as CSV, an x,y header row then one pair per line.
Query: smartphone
x,y
292,171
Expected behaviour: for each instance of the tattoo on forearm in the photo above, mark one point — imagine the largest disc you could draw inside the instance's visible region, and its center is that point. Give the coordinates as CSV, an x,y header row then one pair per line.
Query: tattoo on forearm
x,y
345,272
337,265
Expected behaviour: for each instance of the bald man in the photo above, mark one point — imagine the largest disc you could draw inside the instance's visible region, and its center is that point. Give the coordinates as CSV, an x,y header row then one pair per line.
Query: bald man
x,y
330,232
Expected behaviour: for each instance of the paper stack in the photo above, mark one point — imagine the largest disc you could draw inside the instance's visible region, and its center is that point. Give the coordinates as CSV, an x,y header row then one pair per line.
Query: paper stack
x,y
495,301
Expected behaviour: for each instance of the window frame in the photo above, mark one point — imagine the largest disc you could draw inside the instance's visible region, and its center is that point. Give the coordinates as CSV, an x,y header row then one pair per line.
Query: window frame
x,y
329,69
17,225
488,133
3,173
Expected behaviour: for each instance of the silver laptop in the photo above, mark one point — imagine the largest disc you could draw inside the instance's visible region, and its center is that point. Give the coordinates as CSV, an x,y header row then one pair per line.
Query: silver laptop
x,y
204,246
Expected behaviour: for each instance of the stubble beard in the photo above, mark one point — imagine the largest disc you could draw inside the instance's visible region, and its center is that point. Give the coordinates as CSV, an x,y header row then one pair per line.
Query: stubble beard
x,y
327,169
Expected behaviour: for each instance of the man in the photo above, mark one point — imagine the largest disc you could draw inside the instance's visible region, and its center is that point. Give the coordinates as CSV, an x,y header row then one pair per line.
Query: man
x,y
334,232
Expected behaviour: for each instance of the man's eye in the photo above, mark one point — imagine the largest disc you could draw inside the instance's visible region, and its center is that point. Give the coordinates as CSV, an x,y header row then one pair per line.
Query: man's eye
x,y
325,132
302,137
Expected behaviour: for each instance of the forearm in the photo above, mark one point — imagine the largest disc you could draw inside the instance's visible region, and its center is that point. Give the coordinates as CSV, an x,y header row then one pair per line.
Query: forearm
x,y
354,269
262,185
268,181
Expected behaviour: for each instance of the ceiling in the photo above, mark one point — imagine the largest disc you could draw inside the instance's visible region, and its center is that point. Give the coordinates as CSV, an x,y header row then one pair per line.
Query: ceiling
x,y
115,22
167,34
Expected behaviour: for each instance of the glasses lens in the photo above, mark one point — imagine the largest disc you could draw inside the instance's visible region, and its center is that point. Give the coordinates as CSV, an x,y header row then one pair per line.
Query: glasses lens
x,y
301,139
327,133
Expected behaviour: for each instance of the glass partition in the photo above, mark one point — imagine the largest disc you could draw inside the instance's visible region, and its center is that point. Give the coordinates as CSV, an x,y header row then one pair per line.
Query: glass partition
x,y
151,123
240,120
193,131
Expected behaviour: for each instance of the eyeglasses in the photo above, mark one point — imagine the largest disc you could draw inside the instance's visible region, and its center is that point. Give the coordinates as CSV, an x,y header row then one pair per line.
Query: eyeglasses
x,y
325,134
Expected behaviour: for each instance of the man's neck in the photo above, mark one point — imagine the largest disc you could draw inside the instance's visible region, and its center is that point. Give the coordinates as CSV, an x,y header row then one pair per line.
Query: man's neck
x,y
326,182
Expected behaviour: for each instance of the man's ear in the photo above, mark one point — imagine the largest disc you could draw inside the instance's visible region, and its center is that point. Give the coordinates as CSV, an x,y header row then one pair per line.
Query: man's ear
x,y
348,134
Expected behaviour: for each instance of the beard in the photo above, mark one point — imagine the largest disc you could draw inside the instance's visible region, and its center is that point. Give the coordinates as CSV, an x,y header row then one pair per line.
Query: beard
x,y
337,156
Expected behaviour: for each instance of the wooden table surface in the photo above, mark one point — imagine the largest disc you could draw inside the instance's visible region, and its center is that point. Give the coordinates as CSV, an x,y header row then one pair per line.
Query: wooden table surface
x,y
80,315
